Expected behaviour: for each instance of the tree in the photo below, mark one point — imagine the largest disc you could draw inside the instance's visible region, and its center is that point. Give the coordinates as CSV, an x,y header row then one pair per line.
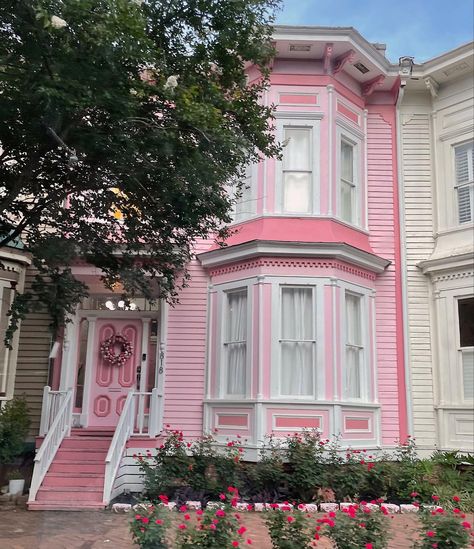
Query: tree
x,y
122,123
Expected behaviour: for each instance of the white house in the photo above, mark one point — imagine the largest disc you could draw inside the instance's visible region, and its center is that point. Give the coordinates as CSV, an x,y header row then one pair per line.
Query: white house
x,y
435,133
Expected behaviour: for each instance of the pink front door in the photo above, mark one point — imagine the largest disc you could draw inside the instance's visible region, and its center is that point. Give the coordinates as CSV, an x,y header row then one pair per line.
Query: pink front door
x,y
110,383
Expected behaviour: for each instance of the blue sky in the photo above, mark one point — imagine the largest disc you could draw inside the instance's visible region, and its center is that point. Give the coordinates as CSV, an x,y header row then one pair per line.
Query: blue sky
x,y
421,28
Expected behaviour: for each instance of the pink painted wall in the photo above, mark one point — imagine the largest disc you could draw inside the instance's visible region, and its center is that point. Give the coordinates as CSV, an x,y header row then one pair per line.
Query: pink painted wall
x,y
384,235
296,85
186,354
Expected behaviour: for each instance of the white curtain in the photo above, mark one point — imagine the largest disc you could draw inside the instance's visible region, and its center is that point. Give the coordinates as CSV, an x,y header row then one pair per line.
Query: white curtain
x,y
297,353
236,342
353,347
297,170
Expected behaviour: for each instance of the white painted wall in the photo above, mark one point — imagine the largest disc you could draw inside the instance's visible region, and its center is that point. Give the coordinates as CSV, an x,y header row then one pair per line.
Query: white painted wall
x,y
439,257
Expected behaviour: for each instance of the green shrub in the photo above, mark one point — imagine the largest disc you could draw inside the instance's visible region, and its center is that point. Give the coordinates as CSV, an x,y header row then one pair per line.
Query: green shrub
x,y
307,471
149,526
357,527
14,426
288,528
215,528
443,530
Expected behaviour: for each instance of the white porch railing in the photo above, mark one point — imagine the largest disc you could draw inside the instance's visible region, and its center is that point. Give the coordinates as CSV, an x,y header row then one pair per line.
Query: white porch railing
x,y
133,421
59,428
52,401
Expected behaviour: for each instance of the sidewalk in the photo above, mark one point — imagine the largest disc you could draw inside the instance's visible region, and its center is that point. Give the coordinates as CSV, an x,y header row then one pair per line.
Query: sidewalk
x,y
21,529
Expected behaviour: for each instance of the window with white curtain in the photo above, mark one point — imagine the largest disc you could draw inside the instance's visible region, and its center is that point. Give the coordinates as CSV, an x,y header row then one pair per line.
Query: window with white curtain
x,y
235,343
466,345
245,201
297,341
464,167
297,184
348,182
354,347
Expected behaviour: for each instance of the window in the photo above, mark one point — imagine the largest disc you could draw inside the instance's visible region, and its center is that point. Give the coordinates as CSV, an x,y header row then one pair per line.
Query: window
x,y
245,202
297,184
348,182
235,343
6,296
354,347
297,341
466,345
464,169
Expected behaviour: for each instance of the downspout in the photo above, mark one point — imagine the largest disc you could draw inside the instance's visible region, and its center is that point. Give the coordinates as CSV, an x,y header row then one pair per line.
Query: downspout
x,y
403,265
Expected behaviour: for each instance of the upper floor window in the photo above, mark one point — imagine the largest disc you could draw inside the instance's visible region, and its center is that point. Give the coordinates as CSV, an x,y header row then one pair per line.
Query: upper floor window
x,y
348,182
235,343
354,348
466,345
297,341
245,201
297,189
464,163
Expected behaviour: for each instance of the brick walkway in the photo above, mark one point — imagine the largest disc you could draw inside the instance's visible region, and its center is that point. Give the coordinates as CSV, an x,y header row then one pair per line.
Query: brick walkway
x,y
20,529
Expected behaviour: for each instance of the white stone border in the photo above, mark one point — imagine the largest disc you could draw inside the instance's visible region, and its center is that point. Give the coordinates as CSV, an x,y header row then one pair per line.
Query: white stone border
x,y
260,507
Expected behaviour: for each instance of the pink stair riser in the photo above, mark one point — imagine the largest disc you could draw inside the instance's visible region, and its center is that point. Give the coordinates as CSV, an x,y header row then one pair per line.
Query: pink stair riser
x,y
59,480
65,466
64,506
74,454
86,443
67,494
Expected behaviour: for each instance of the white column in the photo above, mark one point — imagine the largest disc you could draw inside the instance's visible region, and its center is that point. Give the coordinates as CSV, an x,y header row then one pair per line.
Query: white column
x,y
330,89
91,346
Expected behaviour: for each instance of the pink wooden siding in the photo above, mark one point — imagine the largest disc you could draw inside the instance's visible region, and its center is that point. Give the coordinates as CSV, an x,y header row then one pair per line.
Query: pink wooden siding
x,y
384,239
186,354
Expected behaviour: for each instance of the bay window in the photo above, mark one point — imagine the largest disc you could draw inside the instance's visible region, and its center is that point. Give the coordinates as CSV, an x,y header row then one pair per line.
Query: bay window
x,y
297,341
464,185
235,343
353,366
245,200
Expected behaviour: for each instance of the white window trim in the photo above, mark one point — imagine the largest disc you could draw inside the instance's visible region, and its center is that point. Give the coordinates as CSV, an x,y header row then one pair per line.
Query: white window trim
x,y
6,367
221,367
253,182
469,184
300,120
354,138
460,350
318,312
367,381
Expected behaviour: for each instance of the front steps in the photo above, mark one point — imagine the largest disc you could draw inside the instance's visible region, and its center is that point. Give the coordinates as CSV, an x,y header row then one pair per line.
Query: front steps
x,y
75,480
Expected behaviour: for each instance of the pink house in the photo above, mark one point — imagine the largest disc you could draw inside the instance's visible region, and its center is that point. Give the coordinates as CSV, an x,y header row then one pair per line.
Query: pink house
x,y
296,323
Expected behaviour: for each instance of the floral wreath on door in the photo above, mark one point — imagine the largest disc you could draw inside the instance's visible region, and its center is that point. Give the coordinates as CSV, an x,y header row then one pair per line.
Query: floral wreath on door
x,y
107,350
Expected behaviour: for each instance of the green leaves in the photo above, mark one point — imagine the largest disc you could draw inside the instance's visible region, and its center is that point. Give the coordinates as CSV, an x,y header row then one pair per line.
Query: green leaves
x,y
99,84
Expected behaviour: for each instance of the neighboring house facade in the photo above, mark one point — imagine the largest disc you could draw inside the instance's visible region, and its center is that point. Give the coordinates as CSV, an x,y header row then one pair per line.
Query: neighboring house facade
x,y
436,127
297,323
14,262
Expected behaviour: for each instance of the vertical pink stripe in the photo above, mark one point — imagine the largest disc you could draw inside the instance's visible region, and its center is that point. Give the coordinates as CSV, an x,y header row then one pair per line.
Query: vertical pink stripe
x,y
256,341
328,343
267,338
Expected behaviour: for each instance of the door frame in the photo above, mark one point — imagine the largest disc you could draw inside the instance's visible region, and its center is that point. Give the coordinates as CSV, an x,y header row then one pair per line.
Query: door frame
x,y
71,351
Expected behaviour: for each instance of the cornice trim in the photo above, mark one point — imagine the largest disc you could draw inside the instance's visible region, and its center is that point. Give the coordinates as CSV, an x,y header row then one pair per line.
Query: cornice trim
x,y
262,248
437,265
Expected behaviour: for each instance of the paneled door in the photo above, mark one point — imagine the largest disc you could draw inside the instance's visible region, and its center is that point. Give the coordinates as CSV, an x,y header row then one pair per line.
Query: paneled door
x,y
110,383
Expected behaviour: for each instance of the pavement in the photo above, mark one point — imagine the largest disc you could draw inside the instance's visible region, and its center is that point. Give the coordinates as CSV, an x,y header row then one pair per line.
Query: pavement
x,y
22,529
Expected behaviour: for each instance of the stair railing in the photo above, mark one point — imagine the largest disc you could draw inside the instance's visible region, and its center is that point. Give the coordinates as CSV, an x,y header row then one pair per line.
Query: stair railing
x,y
59,429
52,401
122,433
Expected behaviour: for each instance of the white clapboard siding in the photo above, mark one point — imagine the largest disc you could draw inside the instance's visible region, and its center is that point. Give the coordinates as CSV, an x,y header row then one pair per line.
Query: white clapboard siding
x,y
418,218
